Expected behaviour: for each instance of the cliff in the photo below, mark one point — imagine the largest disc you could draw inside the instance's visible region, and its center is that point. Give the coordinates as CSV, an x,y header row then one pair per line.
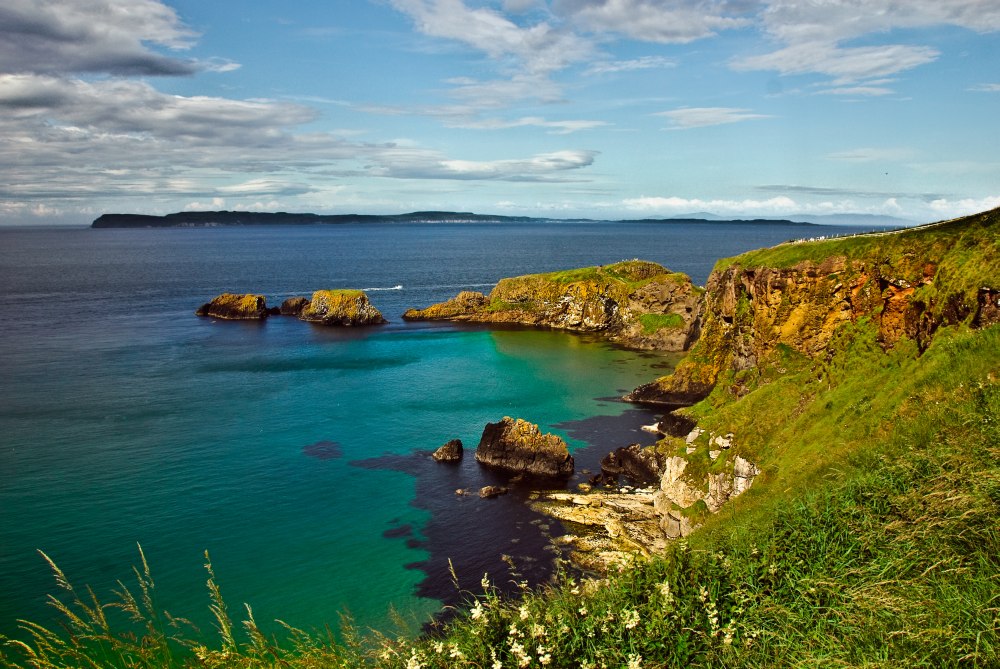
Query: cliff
x,y
636,303
798,295
810,355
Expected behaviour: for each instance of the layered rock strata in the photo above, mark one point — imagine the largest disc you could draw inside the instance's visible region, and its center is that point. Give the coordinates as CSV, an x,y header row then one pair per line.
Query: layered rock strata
x,y
636,303
517,446
909,283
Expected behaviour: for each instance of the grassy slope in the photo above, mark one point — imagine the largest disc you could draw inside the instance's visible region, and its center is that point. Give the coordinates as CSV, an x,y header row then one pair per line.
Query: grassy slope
x,y
871,538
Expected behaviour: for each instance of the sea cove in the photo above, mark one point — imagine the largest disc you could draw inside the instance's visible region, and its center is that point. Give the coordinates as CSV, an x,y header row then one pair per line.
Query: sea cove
x,y
296,455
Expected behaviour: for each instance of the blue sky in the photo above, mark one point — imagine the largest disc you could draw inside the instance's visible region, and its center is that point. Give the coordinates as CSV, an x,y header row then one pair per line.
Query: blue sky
x,y
561,108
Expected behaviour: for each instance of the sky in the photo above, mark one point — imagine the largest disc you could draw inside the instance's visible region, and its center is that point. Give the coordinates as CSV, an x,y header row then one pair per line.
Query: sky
x,y
555,108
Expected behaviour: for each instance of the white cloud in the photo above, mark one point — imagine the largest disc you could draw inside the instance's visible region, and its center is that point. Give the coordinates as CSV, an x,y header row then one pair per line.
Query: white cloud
x,y
846,65
814,35
872,155
654,20
540,48
965,206
986,88
700,117
59,36
644,63
678,205
546,167
554,127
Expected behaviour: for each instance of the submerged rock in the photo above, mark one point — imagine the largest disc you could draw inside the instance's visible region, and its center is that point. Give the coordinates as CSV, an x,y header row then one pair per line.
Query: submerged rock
x,y
341,307
236,307
519,446
450,452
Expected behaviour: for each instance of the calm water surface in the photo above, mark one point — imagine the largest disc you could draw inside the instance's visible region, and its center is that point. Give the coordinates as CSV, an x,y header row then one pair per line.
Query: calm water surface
x,y
295,455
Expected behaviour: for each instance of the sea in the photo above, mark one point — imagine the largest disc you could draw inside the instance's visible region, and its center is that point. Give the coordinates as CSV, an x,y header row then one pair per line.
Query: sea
x,y
297,456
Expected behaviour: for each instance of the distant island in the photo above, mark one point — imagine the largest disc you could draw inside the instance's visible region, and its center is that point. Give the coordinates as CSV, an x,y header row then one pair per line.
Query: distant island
x,y
211,219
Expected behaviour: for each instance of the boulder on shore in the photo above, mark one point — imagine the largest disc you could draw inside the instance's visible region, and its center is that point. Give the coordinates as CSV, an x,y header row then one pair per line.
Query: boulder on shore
x,y
341,307
236,307
450,452
519,446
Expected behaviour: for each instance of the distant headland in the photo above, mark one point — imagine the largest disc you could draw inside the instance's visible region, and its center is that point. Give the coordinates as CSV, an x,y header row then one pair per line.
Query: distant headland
x,y
210,219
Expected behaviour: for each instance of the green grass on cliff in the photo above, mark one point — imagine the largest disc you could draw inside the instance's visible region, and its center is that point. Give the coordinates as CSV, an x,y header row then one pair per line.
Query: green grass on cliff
x,y
653,322
968,248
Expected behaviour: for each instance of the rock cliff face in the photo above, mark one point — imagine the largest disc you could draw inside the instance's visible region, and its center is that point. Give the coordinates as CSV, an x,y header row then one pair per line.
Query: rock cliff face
x,y
909,283
519,446
230,306
636,303
341,307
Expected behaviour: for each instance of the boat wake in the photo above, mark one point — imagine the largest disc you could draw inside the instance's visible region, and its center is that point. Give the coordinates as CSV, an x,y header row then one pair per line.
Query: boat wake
x,y
371,290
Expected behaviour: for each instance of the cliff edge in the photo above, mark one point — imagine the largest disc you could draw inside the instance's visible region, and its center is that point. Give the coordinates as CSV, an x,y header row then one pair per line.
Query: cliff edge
x,y
635,303
909,283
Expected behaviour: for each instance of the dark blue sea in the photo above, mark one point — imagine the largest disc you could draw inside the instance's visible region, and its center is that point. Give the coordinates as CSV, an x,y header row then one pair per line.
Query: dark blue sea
x,y
296,455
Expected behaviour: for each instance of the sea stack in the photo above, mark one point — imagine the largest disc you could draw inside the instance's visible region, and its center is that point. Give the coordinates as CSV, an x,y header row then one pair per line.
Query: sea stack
x,y
517,446
341,307
235,307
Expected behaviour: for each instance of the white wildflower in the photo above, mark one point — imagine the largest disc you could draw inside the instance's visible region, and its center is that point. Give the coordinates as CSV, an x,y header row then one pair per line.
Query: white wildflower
x,y
456,653
583,610
414,662
438,647
631,619
497,664
477,611
634,661
486,582
523,612
538,631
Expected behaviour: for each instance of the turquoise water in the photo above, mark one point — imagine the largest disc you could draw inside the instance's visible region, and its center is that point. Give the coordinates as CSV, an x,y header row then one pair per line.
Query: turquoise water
x,y
126,420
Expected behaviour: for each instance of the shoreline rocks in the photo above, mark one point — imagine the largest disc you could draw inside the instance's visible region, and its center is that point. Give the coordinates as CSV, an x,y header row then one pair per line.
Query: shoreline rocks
x,y
517,446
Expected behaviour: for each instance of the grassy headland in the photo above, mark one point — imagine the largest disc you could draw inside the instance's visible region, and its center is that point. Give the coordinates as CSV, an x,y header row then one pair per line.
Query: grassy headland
x,y
871,537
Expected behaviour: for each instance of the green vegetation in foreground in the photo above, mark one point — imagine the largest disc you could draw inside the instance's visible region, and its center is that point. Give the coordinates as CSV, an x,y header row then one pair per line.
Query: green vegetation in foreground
x,y
870,539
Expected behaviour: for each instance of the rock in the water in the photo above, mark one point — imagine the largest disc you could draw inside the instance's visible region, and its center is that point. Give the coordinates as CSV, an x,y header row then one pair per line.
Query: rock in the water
x,y
293,306
341,307
635,303
519,446
490,491
231,306
637,463
450,452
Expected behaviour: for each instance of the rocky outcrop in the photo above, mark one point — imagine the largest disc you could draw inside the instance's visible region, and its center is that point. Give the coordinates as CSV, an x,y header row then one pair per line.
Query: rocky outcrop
x,y
231,306
293,306
449,452
341,307
636,303
641,465
519,446
606,528
908,284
